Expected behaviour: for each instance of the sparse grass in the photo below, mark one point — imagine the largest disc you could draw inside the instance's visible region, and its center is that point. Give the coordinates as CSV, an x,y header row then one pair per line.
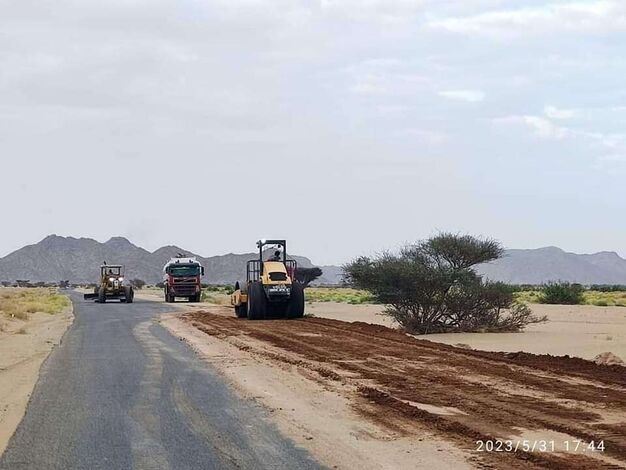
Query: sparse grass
x,y
215,297
528,297
22,331
590,297
20,303
605,299
341,295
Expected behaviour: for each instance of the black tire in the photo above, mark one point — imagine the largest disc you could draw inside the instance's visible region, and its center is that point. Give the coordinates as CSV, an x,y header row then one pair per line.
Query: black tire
x,y
129,294
241,311
168,297
295,309
102,297
257,302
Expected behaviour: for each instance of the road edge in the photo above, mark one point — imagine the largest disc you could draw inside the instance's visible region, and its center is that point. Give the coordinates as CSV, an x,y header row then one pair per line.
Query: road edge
x,y
23,376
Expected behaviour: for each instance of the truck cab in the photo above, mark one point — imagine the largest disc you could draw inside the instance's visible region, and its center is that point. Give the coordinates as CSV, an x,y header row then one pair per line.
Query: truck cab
x,y
182,278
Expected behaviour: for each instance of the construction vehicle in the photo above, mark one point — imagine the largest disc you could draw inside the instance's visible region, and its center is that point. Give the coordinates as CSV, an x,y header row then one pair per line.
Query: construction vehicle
x,y
112,285
181,277
270,288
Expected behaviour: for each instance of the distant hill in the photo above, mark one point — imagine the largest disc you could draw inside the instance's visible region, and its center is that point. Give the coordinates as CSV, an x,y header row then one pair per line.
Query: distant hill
x,y
552,264
56,258
77,259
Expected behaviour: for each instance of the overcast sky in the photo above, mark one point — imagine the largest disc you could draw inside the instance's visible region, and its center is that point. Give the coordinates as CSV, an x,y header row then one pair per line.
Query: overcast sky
x,y
344,126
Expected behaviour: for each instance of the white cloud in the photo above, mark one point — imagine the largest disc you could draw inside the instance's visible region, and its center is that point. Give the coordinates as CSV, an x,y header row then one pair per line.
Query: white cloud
x,y
425,136
611,146
596,16
614,157
377,11
545,128
384,76
541,127
470,96
557,113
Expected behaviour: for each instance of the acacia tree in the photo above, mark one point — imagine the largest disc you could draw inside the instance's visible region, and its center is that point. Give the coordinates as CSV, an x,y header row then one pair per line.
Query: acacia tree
x,y
432,286
307,275
138,283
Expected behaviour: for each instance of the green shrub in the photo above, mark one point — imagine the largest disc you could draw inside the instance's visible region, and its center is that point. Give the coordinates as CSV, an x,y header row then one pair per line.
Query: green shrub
x,y
562,293
432,287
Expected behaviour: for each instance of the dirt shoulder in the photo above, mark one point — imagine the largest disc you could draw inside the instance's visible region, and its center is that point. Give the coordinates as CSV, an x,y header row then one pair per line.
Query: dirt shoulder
x,y
24,345
316,413
575,330
357,394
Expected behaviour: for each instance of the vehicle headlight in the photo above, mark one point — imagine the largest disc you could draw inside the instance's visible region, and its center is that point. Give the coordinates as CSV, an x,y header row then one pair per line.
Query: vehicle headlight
x,y
111,279
121,279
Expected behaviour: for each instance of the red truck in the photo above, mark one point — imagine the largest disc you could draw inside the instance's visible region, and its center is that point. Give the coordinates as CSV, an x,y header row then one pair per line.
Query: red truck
x,y
181,277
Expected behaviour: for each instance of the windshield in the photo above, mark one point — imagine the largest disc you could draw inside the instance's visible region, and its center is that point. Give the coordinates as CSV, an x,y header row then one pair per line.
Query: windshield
x,y
188,270
112,271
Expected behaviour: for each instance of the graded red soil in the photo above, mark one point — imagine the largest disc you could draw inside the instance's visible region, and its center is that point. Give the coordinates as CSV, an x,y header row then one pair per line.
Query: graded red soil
x,y
465,396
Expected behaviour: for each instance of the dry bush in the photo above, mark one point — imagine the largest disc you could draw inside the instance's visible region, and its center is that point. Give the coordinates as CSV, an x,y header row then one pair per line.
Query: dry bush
x,y
20,303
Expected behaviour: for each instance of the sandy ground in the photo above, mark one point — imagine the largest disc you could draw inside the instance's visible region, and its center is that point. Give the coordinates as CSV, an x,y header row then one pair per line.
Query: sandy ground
x,y
362,395
315,414
24,345
575,330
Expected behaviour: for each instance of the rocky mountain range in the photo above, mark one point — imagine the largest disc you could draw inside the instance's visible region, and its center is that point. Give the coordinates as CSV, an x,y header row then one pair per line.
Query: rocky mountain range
x,y
554,264
77,259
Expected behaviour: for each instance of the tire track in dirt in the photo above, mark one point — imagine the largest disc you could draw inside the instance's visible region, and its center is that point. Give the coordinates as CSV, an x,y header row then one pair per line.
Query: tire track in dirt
x,y
407,383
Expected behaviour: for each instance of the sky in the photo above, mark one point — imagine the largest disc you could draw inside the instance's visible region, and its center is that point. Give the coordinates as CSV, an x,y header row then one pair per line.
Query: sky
x,y
346,127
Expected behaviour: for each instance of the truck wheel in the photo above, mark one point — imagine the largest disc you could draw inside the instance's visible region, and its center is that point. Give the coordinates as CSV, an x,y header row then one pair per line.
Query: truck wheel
x,y
257,302
295,309
102,297
129,294
241,311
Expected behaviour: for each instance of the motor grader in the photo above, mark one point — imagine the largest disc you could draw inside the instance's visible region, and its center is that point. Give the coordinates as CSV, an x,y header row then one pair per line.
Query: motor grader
x,y
112,285
270,288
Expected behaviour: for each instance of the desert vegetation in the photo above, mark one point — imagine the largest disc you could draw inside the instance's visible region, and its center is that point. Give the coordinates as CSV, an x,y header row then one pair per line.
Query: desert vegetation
x,y
339,294
20,303
564,293
217,294
307,275
432,286
138,283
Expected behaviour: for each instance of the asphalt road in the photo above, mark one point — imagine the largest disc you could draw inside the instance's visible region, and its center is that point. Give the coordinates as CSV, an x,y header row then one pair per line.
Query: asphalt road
x,y
120,392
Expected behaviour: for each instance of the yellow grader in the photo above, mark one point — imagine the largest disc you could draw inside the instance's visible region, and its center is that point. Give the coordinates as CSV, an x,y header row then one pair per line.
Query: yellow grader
x,y
270,288
112,285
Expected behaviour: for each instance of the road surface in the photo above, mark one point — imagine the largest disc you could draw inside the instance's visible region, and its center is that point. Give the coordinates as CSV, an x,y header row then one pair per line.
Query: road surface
x,y
120,392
